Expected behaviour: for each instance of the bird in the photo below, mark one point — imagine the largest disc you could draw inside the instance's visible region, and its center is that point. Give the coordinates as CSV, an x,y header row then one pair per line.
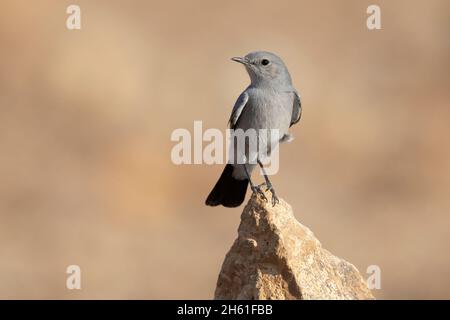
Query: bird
x,y
270,102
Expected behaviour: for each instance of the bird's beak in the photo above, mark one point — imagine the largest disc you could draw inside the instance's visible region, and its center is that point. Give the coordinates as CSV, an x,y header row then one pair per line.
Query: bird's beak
x,y
244,61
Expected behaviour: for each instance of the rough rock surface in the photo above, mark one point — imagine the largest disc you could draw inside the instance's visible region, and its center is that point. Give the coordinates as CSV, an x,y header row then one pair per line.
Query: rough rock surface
x,y
275,257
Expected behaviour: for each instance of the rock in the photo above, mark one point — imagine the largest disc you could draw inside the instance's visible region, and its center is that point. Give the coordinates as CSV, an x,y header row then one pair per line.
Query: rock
x,y
275,257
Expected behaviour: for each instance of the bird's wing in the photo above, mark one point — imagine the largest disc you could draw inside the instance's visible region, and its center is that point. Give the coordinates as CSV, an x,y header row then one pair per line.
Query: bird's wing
x,y
296,110
237,109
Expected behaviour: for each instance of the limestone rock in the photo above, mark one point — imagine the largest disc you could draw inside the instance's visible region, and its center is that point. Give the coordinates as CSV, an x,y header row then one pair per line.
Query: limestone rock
x,y
276,257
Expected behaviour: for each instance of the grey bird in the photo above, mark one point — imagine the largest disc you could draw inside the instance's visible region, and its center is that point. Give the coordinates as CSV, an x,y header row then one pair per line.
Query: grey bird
x,y
269,102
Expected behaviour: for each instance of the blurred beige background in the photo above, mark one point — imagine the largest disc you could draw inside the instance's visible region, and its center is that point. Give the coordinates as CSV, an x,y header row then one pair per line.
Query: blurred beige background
x,y
86,118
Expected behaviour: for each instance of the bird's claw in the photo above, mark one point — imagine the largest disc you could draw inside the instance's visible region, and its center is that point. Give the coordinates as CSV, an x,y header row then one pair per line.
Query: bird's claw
x,y
258,191
275,199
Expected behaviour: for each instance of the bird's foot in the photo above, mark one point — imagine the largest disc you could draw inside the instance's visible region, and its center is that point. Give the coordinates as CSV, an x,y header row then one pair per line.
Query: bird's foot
x,y
275,199
259,192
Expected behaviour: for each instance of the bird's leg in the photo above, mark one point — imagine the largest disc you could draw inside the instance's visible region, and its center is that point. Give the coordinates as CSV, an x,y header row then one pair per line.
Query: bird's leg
x,y
255,189
275,199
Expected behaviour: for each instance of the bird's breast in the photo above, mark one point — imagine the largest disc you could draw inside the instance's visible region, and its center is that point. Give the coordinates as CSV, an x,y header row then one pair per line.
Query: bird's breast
x,y
267,109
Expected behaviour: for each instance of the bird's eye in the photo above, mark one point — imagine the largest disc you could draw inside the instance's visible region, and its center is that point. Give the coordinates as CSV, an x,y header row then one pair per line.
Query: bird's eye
x,y
265,62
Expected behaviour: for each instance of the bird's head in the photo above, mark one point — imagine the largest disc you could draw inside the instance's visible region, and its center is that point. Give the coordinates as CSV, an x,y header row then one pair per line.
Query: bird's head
x,y
265,68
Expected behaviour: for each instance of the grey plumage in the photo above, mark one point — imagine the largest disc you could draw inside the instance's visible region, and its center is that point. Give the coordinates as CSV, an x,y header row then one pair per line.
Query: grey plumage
x,y
269,102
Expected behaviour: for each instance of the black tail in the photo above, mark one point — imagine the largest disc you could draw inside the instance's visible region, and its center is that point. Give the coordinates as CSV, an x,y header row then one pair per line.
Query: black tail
x,y
228,191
